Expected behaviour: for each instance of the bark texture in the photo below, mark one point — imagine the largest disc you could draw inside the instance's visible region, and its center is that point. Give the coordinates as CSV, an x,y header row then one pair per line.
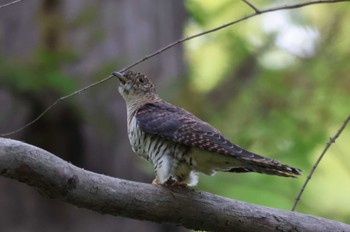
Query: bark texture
x,y
59,179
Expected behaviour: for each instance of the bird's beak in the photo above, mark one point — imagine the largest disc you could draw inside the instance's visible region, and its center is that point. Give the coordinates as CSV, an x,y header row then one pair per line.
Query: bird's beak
x,y
121,76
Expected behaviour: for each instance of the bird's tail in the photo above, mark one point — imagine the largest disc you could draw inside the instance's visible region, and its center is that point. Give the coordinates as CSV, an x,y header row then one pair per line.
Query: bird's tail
x,y
264,165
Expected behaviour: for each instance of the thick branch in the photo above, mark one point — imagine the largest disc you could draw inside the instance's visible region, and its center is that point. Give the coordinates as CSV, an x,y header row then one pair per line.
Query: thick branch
x,y
192,209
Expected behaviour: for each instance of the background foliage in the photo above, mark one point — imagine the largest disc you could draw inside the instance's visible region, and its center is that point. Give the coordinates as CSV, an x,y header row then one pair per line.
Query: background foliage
x,y
279,85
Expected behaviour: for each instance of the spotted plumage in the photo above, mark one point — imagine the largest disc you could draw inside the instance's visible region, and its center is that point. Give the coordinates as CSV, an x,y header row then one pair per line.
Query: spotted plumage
x,y
179,144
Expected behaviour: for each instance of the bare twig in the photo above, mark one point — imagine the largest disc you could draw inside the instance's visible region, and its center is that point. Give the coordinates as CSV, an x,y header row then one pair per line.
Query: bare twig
x,y
257,12
329,143
196,210
288,7
10,3
55,103
252,6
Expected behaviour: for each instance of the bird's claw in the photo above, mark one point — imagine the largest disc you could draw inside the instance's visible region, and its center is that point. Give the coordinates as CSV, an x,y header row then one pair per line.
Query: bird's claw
x,y
170,183
155,182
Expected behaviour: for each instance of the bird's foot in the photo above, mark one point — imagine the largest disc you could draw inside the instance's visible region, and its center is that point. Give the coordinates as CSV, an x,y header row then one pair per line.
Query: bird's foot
x,y
180,185
170,183
155,182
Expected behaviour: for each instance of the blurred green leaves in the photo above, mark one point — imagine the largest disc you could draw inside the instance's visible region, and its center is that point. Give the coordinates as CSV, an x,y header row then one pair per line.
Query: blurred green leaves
x,y
279,85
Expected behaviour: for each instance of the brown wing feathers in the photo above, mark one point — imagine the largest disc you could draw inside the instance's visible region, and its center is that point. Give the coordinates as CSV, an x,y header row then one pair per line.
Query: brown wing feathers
x,y
178,125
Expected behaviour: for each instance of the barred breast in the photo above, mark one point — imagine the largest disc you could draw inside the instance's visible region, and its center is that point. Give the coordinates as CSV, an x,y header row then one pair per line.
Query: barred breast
x,y
170,160
151,147
136,138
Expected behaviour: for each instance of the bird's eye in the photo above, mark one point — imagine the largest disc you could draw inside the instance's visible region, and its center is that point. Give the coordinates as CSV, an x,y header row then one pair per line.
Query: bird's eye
x,y
142,80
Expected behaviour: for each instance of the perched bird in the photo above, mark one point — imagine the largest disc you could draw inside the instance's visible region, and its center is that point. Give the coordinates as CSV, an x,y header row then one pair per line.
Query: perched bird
x,y
179,144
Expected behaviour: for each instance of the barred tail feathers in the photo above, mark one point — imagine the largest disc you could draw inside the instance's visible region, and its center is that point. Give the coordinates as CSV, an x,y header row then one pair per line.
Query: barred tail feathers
x,y
255,163
269,169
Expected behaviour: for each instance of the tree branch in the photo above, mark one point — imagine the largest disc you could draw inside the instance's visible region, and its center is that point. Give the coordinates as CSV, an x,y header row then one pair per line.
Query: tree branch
x,y
55,103
257,11
10,3
330,142
58,179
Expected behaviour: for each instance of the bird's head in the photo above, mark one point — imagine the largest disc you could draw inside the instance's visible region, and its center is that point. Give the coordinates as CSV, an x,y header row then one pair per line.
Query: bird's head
x,y
135,86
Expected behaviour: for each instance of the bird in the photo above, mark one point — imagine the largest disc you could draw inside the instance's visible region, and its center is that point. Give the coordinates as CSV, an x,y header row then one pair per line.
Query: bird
x,y
179,144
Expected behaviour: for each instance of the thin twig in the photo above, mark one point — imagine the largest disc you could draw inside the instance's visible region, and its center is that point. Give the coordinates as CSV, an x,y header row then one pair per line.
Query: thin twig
x,y
329,143
252,6
299,5
55,103
10,3
230,24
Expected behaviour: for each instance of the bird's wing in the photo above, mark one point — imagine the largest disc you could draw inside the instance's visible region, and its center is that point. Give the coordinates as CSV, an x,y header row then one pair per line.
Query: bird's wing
x,y
178,125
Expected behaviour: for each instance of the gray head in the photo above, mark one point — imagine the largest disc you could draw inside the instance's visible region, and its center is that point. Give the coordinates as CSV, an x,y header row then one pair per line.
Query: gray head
x,y
135,86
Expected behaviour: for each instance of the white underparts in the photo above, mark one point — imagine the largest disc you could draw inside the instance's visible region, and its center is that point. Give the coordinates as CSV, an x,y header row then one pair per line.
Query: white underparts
x,y
168,158
173,161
